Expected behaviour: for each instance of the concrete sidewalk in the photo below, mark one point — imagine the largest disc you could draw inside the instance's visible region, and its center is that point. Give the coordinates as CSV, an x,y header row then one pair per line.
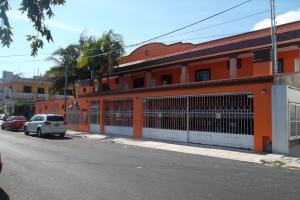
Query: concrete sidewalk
x,y
195,149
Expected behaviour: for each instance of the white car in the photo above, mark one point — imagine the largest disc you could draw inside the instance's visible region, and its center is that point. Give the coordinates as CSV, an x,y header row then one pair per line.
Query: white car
x,y
46,124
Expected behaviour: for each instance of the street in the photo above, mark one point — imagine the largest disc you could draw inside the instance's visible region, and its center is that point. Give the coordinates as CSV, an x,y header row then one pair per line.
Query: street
x,y
73,168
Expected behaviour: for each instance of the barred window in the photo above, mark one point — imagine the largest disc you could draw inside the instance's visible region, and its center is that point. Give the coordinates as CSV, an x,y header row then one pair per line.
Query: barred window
x,y
95,113
294,110
84,117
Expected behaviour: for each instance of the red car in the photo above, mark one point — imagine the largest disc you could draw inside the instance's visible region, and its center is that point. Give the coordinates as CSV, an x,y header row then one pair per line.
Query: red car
x,y
14,123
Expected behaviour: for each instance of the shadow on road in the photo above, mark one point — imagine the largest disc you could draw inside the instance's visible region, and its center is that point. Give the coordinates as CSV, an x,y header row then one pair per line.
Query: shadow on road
x,y
3,195
53,137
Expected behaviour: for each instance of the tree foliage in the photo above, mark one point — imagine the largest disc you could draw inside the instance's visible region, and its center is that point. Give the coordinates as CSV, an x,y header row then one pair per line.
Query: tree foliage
x,y
37,12
66,58
101,54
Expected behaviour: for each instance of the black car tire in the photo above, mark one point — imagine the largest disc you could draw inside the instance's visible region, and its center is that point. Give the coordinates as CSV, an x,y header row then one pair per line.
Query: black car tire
x,y
39,133
62,135
2,127
25,131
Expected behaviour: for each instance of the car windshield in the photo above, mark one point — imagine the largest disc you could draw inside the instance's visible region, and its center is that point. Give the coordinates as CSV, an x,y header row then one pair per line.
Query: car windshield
x,y
55,118
19,118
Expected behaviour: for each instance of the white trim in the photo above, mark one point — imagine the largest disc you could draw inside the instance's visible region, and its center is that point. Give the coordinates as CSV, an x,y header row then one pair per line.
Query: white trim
x,y
222,139
119,130
95,128
163,134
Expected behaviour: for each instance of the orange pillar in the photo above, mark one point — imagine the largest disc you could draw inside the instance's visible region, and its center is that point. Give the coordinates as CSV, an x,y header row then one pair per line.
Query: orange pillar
x,y
102,116
262,117
137,117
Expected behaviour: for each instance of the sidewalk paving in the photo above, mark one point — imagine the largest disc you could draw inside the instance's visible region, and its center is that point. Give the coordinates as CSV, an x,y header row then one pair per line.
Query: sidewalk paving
x,y
198,149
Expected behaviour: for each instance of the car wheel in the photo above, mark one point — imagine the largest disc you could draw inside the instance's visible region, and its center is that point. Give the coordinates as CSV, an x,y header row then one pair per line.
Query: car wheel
x,y
39,133
26,131
2,127
62,135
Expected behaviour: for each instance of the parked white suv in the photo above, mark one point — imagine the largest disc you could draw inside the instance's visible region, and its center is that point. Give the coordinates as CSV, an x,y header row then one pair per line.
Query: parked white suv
x,y
46,124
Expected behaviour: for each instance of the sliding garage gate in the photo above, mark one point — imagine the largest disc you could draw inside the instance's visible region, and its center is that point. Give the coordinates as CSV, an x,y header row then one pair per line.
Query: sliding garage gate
x,y
118,117
224,119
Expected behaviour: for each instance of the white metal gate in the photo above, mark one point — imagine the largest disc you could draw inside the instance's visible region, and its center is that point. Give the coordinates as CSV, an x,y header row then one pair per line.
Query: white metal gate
x,y
94,117
219,119
73,118
119,117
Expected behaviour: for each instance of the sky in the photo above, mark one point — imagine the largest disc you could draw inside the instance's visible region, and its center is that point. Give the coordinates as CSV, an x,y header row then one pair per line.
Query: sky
x,y
136,21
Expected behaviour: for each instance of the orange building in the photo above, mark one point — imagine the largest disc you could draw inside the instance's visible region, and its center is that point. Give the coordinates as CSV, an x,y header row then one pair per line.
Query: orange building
x,y
222,92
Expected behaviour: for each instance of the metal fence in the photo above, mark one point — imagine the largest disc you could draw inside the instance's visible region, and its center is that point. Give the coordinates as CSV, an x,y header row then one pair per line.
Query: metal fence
x,y
165,113
294,121
73,116
94,113
224,113
119,113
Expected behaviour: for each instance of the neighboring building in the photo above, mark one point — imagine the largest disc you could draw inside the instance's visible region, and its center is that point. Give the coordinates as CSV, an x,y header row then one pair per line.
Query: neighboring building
x,y
18,94
222,92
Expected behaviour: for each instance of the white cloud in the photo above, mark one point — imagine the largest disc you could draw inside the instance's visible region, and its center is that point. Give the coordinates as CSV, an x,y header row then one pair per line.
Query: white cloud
x,y
284,18
51,23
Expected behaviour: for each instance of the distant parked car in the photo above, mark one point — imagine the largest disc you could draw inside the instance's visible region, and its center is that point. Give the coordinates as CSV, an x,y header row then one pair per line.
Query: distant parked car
x,y
46,124
13,123
1,118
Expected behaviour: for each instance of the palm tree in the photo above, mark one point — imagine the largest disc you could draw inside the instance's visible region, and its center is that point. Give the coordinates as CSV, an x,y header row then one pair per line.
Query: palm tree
x,y
63,58
101,55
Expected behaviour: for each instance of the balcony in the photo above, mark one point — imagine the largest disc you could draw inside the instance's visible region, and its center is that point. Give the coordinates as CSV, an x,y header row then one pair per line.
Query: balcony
x,y
31,96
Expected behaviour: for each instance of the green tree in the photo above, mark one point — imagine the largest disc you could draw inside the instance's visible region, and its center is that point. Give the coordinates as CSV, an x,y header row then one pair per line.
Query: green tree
x,y
37,11
101,55
66,58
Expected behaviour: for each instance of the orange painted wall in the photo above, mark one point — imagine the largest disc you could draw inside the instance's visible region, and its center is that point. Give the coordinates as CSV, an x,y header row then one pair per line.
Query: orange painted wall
x,y
156,75
289,60
262,106
246,69
155,49
219,70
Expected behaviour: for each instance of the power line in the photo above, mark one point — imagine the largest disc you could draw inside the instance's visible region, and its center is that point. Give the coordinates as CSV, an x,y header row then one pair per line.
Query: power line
x,y
203,37
219,24
163,35
101,54
21,55
192,24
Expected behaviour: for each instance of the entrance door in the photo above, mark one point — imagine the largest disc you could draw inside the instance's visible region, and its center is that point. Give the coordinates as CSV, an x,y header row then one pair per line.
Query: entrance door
x,y
94,117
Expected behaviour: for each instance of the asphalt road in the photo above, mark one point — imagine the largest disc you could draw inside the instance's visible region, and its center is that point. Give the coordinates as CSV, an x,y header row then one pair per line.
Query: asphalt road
x,y
81,169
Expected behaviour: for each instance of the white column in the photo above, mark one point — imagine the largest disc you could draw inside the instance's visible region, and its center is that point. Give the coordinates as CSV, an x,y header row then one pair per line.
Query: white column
x,y
233,67
148,79
297,61
184,74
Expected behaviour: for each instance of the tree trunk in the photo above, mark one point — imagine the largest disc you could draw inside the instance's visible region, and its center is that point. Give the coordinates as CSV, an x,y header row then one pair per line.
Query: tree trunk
x,y
74,90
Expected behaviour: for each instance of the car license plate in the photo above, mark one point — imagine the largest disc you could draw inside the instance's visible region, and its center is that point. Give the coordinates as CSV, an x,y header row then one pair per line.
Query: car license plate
x,y
56,125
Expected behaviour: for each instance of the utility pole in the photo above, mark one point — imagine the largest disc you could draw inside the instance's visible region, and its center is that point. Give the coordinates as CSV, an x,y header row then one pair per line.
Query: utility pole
x,y
274,39
65,92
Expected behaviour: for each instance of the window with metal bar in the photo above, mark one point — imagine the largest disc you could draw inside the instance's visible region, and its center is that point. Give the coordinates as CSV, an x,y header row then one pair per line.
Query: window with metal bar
x,y
119,113
224,113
